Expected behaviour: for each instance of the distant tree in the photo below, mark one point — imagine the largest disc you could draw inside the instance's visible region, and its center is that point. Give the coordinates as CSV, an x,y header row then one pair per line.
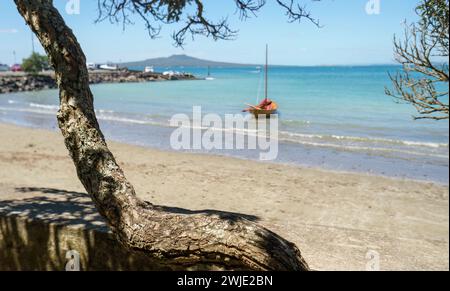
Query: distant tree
x,y
35,63
424,81
176,239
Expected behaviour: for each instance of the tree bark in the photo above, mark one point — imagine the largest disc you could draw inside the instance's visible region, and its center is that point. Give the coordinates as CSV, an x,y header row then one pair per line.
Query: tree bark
x,y
175,240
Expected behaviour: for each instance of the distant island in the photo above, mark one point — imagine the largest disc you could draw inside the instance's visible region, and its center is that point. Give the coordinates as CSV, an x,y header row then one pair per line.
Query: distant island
x,y
182,61
188,61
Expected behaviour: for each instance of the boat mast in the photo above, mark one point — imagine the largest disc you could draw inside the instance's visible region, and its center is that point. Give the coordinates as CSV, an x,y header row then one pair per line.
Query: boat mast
x,y
267,72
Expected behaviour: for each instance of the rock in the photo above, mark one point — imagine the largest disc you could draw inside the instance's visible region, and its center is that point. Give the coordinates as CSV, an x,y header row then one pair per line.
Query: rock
x,y
13,83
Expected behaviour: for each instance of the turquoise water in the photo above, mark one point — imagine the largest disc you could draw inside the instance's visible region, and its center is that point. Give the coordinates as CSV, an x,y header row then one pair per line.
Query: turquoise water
x,y
331,117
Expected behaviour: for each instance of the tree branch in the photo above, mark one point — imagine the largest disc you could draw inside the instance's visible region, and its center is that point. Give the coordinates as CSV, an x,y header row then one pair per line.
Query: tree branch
x,y
155,13
417,83
178,240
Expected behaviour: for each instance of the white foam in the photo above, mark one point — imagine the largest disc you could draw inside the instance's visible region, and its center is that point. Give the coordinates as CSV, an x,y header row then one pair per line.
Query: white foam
x,y
29,110
43,106
364,148
369,144
290,121
128,120
365,139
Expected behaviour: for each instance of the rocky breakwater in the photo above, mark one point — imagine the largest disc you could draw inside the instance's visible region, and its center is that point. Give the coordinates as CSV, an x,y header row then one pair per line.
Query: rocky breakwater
x,y
20,82
99,77
10,83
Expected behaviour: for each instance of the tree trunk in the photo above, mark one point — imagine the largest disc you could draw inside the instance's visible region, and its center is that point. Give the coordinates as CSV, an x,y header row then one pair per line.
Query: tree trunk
x,y
178,241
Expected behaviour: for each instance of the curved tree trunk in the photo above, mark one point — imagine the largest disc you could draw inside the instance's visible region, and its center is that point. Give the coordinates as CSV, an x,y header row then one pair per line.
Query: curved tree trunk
x,y
175,241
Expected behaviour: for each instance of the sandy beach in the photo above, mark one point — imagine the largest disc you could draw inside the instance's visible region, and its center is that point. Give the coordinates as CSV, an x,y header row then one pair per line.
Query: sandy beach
x,y
334,218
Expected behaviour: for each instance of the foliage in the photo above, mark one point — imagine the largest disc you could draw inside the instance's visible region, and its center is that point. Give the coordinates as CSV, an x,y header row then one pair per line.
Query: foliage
x,y
35,63
426,44
191,14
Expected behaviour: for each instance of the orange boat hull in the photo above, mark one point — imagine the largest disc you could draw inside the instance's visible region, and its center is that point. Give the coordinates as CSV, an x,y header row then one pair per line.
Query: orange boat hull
x,y
267,112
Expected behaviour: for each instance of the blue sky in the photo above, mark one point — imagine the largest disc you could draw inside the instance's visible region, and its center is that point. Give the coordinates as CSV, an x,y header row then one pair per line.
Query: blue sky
x,y
349,35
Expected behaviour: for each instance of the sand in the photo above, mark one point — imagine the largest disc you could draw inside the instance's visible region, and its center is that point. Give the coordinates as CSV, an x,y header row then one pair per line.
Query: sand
x,y
336,219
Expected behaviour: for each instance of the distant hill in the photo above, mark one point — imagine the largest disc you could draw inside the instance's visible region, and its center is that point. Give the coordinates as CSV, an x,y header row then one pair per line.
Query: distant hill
x,y
181,61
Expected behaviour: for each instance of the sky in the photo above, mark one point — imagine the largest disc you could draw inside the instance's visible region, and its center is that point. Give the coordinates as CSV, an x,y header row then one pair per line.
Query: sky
x,y
349,34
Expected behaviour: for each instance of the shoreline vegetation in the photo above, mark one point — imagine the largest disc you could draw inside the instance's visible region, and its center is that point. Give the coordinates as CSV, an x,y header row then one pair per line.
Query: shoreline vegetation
x,y
22,82
324,212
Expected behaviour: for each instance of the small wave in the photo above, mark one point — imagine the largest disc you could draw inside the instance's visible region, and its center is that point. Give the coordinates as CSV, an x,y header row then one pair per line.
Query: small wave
x,y
56,107
365,139
393,141
129,120
107,115
103,111
426,144
44,106
121,119
28,110
242,131
295,122
363,148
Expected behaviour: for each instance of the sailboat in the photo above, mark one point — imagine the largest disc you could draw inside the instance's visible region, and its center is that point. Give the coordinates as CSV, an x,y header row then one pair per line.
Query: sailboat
x,y
267,107
209,78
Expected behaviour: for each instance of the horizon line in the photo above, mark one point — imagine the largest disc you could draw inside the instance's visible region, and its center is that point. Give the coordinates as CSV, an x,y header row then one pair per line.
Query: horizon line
x,y
250,65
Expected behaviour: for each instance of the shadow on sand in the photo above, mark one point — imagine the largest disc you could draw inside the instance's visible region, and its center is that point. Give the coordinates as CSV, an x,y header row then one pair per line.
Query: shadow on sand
x,y
37,231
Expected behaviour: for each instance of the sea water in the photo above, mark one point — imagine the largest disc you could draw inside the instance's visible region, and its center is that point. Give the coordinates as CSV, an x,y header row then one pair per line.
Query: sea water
x,y
336,118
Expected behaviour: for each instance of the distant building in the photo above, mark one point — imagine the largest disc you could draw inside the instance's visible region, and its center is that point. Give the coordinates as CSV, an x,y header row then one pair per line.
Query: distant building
x,y
92,66
149,69
109,67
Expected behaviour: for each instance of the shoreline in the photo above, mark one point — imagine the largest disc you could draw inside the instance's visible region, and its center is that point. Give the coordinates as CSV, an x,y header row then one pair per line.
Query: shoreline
x,y
11,82
281,163
293,165
335,218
